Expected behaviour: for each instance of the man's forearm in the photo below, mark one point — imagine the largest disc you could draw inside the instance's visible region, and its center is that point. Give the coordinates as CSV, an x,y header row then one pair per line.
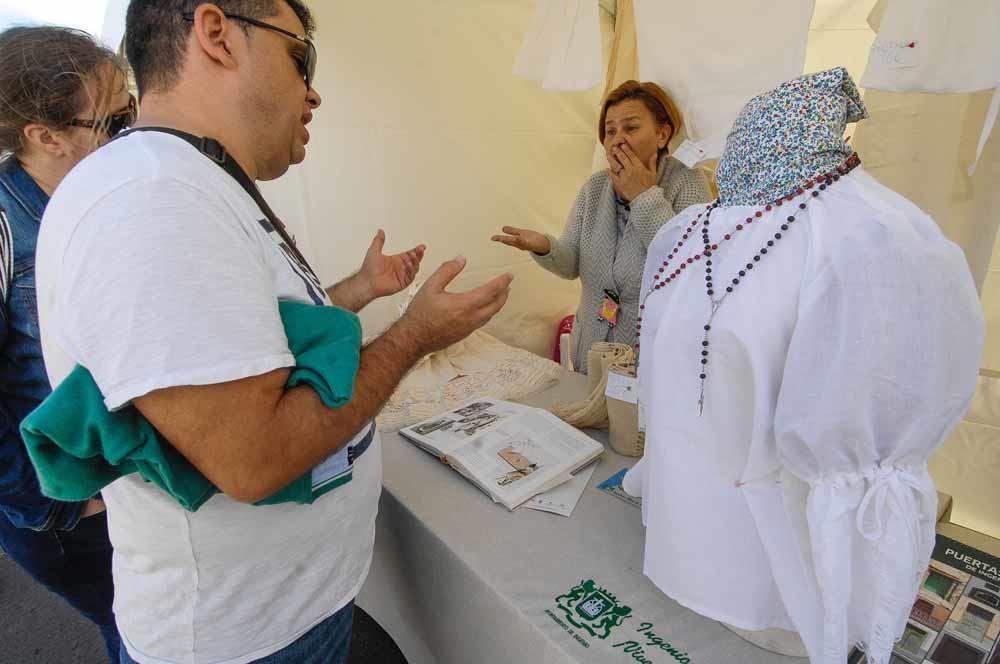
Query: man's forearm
x,y
251,437
351,294
320,431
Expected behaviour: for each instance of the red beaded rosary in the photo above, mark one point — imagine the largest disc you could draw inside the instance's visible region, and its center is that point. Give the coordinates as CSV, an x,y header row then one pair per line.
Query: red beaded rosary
x,y
817,184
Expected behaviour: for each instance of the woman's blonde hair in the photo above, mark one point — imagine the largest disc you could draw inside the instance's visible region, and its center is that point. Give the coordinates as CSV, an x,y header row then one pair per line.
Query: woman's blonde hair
x,y
654,97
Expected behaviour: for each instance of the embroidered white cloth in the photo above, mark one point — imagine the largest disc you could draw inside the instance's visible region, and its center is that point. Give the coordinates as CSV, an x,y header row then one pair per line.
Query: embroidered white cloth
x,y
800,498
478,366
935,46
687,47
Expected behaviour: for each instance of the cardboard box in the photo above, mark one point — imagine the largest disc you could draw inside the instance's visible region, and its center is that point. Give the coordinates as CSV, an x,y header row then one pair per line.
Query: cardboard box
x,y
944,507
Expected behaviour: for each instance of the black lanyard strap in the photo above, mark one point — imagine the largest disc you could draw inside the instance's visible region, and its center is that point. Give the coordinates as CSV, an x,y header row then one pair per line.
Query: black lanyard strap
x,y
215,151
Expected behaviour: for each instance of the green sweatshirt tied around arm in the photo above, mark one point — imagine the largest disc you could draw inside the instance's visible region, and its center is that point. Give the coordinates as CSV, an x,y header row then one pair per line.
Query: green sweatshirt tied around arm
x,y
78,447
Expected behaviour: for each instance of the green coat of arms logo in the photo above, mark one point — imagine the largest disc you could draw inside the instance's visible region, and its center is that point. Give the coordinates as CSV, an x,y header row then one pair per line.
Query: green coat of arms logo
x,y
592,609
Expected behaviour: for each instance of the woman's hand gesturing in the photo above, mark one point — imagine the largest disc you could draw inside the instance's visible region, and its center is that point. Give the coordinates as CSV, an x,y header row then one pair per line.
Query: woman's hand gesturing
x,y
524,239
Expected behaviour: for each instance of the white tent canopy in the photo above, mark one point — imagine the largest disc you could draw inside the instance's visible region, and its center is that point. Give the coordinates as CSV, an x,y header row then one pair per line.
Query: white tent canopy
x,y
426,132
82,14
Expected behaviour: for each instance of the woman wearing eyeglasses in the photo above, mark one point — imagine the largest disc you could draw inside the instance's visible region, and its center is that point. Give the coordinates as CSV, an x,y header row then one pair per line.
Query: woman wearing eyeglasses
x,y
617,214
61,97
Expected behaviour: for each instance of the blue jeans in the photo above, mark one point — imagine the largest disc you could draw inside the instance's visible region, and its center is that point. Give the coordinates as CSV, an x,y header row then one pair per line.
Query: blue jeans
x,y
329,642
74,564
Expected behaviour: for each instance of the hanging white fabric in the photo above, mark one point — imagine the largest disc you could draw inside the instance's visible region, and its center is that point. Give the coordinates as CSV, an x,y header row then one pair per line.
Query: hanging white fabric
x,y
562,47
937,46
714,55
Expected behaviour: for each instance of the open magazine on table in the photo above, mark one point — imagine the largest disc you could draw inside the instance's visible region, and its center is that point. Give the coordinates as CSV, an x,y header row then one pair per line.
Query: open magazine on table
x,y
511,452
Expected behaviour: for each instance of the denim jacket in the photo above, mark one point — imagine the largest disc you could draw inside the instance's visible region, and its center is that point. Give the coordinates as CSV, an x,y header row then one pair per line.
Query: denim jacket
x,y
23,381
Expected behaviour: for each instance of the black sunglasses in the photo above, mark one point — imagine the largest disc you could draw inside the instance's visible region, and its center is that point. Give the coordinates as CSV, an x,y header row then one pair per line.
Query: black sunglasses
x,y
112,124
306,65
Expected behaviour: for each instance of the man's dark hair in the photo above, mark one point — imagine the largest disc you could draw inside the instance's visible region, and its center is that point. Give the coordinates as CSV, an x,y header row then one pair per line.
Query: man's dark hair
x,y
156,33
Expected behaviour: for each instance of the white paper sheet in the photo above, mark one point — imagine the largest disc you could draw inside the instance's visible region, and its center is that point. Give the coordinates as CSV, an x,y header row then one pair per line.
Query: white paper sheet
x,y
623,388
562,500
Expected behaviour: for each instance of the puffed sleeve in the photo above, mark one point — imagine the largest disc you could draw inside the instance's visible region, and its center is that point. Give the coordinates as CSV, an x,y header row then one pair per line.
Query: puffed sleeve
x,y
882,364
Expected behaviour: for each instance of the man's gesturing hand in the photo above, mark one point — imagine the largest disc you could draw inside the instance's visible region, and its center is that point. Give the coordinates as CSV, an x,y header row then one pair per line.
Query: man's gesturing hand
x,y
436,318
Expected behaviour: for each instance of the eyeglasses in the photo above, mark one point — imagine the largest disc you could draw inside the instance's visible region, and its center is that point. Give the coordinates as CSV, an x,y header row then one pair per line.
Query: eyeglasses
x,y
112,124
306,64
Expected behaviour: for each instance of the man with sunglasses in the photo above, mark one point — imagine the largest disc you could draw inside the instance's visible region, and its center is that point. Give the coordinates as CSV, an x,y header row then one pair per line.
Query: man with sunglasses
x,y
181,263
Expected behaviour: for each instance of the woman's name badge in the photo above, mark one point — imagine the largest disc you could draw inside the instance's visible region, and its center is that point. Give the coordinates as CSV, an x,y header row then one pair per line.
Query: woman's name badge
x,y
609,308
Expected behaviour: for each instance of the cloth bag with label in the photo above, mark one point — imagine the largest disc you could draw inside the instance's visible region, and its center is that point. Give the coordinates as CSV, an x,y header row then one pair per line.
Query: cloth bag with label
x,y
592,412
623,411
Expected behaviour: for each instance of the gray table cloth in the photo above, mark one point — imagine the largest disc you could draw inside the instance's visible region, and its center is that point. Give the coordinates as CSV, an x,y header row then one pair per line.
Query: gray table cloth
x,y
457,579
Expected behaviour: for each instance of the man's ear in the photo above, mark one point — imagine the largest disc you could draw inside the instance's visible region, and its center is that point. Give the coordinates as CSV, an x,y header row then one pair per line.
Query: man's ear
x,y
216,35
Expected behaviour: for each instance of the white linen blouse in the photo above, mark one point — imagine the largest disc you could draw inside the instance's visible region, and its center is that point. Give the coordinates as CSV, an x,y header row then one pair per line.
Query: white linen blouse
x,y
800,497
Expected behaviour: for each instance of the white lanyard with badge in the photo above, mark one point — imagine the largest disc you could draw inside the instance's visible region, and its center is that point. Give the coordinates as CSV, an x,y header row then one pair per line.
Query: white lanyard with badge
x,y
611,304
338,468
624,388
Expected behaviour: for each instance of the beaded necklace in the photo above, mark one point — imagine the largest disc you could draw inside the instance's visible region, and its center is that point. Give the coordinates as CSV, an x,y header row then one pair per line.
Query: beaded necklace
x,y
662,278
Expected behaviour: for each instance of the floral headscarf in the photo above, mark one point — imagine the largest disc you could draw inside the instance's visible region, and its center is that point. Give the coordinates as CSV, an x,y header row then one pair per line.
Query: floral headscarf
x,y
788,135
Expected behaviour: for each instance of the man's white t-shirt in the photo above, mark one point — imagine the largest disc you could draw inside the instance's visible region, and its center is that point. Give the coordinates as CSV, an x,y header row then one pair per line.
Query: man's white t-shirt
x,y
155,269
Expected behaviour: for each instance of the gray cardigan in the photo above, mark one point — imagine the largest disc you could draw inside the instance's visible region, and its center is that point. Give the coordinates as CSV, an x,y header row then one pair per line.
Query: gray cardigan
x,y
589,248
